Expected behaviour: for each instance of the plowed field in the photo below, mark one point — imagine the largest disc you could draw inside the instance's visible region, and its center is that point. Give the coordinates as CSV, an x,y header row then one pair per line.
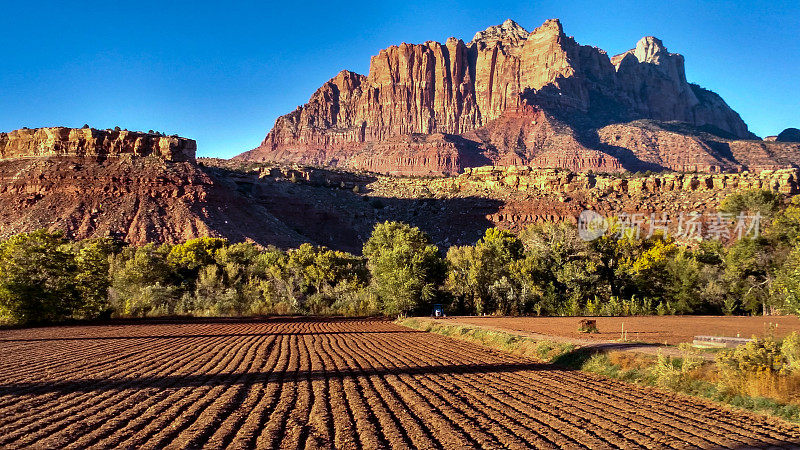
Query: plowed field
x,y
653,329
328,383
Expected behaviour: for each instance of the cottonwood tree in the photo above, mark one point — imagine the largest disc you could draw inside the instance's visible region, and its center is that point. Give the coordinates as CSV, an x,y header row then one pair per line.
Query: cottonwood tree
x,y
406,268
37,278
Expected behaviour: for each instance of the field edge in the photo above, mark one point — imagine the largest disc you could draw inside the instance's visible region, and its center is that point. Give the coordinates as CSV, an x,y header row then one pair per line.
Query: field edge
x,y
598,361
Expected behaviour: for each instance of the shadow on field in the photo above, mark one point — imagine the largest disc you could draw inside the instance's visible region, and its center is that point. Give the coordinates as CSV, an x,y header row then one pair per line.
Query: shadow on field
x,y
210,335
257,378
172,320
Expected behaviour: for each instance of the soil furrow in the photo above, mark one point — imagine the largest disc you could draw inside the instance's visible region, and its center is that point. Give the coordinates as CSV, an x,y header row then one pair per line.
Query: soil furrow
x,y
324,383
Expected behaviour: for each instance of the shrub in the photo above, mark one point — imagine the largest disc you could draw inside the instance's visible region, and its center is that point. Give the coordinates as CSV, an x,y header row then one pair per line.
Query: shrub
x,y
758,355
355,301
753,201
790,349
588,326
674,373
152,300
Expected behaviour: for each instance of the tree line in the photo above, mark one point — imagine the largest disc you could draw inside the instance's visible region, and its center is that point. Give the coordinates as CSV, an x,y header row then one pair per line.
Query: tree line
x,y
547,269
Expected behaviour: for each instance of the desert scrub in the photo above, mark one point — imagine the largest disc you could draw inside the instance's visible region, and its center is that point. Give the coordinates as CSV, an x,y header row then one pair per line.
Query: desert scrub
x,y
758,355
691,376
766,368
790,348
756,376
676,373
542,350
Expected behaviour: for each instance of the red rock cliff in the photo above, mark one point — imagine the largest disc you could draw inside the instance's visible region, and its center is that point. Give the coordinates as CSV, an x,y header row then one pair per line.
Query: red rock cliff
x,y
508,96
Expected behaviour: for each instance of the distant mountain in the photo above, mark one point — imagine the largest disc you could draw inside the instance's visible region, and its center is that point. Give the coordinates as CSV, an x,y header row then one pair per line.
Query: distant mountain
x,y
511,96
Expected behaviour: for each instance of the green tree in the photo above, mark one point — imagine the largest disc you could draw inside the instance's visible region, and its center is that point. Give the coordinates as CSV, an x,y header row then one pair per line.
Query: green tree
x,y
632,265
501,246
785,228
610,252
406,268
92,258
497,251
751,202
559,268
214,294
320,266
694,285
195,253
37,278
748,274
644,265
786,288
462,279
473,270
141,275
237,261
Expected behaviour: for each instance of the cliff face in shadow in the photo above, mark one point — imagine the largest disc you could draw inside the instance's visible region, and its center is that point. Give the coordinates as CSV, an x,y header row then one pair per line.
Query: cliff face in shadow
x,y
339,209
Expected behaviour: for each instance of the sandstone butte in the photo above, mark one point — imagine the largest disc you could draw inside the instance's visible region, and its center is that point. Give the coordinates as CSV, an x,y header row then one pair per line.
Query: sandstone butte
x,y
513,97
140,187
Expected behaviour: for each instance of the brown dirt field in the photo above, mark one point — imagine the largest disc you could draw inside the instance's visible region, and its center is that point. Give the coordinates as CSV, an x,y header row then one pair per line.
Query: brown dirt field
x,y
653,329
295,383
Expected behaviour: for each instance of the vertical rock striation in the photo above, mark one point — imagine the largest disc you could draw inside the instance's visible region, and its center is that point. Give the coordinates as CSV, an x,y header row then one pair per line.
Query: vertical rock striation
x,y
507,96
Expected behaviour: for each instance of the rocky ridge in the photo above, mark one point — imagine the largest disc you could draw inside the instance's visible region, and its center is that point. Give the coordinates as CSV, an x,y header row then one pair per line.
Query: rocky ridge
x,y
507,97
524,178
788,135
89,142
339,208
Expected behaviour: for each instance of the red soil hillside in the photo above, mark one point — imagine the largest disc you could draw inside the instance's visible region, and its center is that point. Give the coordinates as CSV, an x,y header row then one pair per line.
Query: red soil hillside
x,y
140,187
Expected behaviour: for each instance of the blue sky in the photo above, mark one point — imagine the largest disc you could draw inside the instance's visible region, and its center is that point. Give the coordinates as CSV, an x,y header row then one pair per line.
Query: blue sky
x,y
222,73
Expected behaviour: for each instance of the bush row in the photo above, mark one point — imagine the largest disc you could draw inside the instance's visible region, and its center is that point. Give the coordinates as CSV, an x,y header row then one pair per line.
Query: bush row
x,y
546,270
